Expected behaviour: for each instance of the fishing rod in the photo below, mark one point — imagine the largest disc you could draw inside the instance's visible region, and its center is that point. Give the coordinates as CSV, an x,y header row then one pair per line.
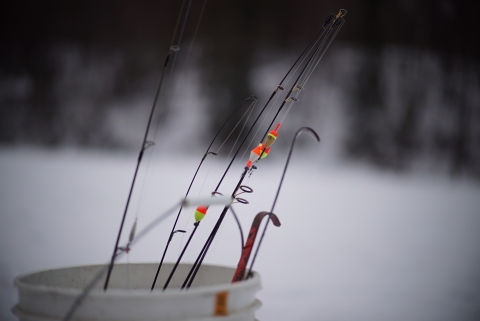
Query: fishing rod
x,y
252,99
191,276
262,150
134,240
315,136
199,215
193,271
313,41
297,87
145,144
198,262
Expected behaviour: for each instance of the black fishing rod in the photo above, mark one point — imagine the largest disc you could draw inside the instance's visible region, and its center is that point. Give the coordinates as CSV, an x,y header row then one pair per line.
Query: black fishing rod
x,y
329,22
199,215
193,271
134,240
146,144
191,275
181,255
297,134
318,35
253,99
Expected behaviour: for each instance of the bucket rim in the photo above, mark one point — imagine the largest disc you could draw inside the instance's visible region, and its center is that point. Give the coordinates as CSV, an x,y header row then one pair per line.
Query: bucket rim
x,y
17,310
253,282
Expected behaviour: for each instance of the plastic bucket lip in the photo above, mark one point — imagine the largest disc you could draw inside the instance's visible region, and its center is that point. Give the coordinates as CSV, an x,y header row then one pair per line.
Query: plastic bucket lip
x,y
256,305
18,282
48,294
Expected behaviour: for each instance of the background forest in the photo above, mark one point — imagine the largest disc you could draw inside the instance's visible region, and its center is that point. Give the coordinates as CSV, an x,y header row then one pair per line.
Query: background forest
x,y
404,76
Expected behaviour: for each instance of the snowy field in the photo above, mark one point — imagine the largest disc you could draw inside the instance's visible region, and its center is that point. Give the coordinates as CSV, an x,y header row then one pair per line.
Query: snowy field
x,y
355,243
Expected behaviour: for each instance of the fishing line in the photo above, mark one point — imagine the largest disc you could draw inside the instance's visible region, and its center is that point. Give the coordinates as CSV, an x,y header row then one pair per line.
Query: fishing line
x,y
331,24
166,99
297,134
279,87
290,74
200,258
249,111
207,152
236,125
339,21
145,145
174,61
192,42
312,68
148,177
322,31
249,146
233,147
328,45
196,266
286,113
89,287
312,65
246,149
184,22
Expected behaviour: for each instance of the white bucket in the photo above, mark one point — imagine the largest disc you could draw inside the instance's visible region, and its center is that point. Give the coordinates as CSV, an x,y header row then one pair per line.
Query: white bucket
x,y
48,295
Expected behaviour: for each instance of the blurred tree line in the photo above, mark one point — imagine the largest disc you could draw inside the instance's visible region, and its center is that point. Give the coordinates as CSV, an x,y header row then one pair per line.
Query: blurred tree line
x,y
412,93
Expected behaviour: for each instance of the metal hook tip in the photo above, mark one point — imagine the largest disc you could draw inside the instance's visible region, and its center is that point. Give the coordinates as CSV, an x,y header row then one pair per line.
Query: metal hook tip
x,y
309,131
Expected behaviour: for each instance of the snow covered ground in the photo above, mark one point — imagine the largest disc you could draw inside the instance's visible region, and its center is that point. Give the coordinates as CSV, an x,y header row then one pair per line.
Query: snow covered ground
x,y
355,243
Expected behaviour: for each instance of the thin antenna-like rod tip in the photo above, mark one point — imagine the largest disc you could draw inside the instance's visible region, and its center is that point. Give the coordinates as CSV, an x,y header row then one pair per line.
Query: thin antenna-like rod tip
x,y
341,13
309,131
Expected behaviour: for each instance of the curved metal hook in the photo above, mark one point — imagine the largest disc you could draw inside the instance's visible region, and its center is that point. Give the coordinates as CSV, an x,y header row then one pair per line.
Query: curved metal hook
x,y
315,136
247,250
239,227
302,130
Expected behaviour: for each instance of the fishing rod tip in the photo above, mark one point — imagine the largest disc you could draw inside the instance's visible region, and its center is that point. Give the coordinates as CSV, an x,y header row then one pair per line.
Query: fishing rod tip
x,y
341,13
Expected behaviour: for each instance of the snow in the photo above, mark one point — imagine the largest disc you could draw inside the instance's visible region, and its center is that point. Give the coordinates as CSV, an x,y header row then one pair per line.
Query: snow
x,y
355,243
